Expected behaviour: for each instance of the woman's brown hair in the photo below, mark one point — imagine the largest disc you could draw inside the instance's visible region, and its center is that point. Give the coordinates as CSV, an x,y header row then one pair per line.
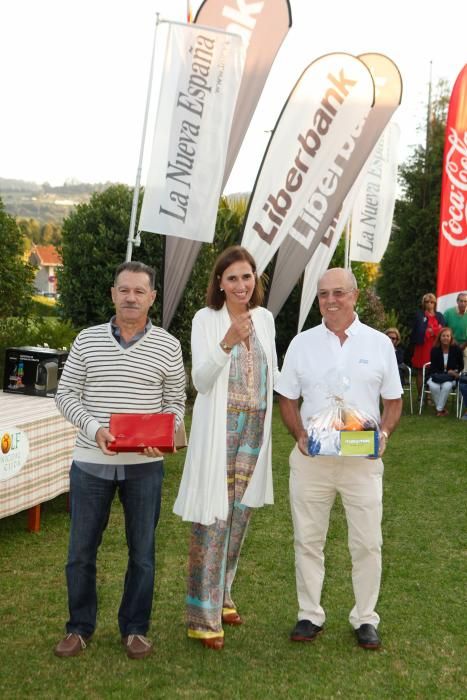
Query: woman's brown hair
x,y
437,342
214,297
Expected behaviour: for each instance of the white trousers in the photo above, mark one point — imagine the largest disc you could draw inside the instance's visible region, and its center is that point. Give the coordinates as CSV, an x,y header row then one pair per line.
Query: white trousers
x,y
440,393
314,483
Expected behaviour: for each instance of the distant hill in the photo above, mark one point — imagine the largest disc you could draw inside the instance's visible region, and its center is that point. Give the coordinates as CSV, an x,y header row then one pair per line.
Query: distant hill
x,y
29,200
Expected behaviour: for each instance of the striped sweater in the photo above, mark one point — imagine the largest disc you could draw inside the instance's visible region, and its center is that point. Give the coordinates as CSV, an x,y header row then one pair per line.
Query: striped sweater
x,y
101,377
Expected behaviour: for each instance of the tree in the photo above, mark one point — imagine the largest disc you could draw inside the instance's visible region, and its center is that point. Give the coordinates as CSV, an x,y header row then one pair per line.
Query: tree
x,y
50,234
409,266
94,240
16,276
30,228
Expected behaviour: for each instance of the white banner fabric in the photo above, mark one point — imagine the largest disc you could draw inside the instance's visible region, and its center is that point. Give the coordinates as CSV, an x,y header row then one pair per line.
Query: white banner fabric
x,y
200,82
303,238
322,256
374,205
263,26
308,150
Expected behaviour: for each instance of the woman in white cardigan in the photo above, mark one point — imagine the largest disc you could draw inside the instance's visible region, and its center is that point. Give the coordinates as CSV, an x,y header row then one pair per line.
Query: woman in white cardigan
x,y
228,468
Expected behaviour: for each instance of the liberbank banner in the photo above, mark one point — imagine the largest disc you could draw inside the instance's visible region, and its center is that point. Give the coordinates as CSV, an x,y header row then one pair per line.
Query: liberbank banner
x,y
200,82
263,26
322,207
452,250
310,145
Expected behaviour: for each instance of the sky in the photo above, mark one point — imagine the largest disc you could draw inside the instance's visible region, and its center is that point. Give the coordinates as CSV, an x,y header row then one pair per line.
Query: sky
x,y
75,77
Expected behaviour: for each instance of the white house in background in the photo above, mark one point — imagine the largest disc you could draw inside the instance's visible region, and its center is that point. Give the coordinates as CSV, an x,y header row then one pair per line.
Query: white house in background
x,y
47,259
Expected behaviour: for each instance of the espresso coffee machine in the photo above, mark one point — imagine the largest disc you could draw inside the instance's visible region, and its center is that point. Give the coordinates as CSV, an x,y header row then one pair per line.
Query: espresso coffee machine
x,y
34,371
46,377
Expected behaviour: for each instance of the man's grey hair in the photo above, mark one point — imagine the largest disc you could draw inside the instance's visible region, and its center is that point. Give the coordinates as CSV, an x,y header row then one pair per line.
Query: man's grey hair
x,y
461,294
350,274
135,266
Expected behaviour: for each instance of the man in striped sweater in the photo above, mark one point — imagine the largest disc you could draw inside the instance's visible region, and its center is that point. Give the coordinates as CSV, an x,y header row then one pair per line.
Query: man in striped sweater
x,y
125,366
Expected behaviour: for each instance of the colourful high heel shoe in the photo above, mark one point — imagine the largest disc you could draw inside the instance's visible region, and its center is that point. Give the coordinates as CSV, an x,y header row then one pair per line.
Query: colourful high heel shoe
x,y
216,643
232,618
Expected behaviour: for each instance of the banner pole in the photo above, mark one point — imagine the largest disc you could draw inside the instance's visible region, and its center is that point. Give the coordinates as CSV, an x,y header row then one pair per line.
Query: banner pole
x,y
347,245
134,206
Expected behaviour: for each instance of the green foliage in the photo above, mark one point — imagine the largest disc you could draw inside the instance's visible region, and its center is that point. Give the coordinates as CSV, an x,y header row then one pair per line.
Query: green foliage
x,y
43,306
40,234
409,266
94,241
16,276
371,310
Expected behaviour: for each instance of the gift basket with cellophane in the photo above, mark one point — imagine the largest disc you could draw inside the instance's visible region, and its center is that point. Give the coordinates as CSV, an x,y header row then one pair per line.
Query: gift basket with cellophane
x,y
341,428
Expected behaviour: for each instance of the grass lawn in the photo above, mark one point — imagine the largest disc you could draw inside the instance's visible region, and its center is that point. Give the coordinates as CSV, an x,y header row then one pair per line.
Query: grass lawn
x,y
422,602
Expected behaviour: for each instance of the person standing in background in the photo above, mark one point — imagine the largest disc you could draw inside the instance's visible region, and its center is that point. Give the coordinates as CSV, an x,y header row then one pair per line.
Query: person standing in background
x,y
426,326
456,319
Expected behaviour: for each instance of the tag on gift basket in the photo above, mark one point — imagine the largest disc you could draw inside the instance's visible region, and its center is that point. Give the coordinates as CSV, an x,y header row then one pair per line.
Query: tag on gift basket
x,y
342,429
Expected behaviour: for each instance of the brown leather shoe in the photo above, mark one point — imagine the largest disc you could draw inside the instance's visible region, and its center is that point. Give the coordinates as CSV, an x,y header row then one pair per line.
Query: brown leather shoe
x,y
71,645
213,642
137,646
232,618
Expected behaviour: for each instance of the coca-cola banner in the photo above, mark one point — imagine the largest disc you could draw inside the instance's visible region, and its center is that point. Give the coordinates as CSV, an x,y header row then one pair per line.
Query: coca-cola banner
x,y
308,151
321,209
373,208
200,80
452,251
263,27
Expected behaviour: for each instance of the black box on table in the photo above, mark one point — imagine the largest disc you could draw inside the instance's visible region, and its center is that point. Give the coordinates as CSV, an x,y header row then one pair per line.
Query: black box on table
x,y
33,371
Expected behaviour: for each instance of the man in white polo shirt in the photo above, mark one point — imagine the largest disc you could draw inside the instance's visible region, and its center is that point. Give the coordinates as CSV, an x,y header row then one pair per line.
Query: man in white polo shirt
x,y
365,361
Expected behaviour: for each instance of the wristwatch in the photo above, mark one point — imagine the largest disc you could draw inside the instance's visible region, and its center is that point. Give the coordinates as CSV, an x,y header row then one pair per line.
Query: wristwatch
x,y
225,347
385,433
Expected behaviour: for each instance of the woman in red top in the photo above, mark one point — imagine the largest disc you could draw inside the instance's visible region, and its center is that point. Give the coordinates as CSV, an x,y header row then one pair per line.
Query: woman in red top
x,y
427,324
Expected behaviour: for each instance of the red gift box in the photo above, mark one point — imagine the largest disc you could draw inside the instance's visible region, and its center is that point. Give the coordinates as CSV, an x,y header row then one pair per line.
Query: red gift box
x,y
135,431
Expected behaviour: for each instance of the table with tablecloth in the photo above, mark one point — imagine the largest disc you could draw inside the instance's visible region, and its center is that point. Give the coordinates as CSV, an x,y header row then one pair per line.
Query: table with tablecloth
x,y
45,474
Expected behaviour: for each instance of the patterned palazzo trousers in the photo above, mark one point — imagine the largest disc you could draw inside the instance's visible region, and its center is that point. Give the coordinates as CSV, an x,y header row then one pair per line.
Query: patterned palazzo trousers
x,y
215,549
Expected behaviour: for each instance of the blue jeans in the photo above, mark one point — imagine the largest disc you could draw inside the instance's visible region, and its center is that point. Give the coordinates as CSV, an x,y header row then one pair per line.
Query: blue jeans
x,y
91,499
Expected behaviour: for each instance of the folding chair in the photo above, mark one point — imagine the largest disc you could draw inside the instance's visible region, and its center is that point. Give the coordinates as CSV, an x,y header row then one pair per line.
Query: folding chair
x,y
406,378
460,401
426,389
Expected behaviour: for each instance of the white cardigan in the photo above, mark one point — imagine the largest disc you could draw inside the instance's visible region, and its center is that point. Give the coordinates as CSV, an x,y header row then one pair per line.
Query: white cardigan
x,y
202,495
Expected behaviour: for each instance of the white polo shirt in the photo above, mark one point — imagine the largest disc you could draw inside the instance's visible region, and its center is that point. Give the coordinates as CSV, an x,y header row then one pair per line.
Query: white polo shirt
x,y
316,366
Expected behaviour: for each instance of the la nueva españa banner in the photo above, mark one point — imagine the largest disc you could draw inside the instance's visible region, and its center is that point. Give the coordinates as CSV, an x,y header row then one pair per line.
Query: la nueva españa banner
x,y
373,208
452,246
263,27
302,240
200,80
